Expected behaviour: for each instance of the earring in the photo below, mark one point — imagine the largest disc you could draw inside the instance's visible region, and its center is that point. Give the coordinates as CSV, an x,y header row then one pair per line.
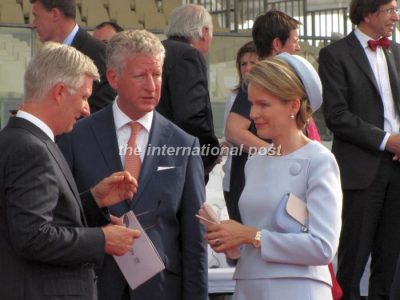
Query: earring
x,y
291,116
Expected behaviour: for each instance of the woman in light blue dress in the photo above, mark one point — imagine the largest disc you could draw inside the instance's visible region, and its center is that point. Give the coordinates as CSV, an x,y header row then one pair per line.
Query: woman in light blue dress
x,y
285,249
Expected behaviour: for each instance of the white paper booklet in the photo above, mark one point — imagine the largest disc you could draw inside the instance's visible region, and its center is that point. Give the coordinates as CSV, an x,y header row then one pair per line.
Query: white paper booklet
x,y
142,262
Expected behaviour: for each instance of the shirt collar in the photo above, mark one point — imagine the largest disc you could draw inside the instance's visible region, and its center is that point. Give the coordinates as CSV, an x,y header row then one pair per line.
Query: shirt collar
x,y
362,37
36,121
68,40
121,119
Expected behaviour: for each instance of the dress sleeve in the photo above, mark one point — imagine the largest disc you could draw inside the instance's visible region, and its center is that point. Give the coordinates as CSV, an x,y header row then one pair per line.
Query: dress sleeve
x,y
324,205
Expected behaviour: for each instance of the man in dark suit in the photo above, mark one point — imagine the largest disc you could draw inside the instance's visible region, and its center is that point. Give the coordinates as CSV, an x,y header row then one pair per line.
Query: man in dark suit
x,y
360,77
184,97
46,249
106,30
54,20
171,185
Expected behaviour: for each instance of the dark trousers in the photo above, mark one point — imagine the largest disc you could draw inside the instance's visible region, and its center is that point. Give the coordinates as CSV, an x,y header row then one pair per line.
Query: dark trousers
x,y
371,225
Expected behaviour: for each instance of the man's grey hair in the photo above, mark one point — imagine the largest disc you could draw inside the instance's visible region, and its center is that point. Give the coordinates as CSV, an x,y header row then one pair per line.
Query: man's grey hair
x,y
56,63
127,44
187,21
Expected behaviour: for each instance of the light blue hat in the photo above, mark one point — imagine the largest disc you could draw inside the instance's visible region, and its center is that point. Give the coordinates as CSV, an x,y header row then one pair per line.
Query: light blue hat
x,y
308,76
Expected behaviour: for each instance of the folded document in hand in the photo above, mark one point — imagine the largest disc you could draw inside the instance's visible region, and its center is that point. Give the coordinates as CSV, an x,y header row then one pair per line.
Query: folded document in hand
x,y
142,261
207,216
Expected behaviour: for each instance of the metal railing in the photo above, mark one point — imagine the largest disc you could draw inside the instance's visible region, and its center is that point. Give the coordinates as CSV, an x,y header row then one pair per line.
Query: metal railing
x,y
238,15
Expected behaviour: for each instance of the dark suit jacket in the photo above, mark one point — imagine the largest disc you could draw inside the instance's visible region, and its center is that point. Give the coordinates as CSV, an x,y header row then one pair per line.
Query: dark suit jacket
x,y
92,152
353,107
45,251
184,95
102,94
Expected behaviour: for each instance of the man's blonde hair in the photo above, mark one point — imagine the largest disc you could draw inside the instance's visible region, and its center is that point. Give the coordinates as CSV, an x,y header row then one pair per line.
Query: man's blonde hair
x,y
127,44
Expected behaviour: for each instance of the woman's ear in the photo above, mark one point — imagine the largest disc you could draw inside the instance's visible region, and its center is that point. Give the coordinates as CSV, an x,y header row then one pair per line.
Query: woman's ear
x,y
295,106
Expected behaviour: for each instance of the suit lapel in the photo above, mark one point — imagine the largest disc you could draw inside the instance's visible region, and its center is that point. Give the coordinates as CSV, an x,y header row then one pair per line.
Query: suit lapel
x,y
393,77
159,135
358,54
77,41
103,129
63,165
56,153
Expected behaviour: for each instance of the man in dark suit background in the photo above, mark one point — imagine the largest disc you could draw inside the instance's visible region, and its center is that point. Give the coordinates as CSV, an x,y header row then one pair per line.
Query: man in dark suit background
x,y
360,77
54,20
106,30
170,183
46,249
184,97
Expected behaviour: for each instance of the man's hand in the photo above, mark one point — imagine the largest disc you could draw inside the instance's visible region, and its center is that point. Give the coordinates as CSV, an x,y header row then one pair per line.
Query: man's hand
x,y
119,239
115,188
393,145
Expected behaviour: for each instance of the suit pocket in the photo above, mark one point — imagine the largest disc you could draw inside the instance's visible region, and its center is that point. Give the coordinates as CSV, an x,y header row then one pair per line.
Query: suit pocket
x,y
70,287
171,180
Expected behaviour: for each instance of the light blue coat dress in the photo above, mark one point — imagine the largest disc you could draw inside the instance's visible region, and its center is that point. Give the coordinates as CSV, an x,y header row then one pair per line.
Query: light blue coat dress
x,y
290,265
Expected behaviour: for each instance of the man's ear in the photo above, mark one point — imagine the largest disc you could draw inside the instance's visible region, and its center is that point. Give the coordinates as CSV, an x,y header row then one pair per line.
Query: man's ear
x,y
277,45
367,18
58,92
112,78
56,14
205,31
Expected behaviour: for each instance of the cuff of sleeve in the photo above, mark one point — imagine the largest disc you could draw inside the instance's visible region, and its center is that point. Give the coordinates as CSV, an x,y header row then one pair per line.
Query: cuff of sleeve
x,y
95,215
382,146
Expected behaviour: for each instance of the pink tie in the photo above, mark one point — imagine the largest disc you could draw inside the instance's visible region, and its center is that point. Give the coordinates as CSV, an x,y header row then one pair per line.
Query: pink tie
x,y
133,163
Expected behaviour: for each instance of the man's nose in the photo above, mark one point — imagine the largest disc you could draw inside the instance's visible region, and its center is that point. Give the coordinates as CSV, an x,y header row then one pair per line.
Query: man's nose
x,y
150,84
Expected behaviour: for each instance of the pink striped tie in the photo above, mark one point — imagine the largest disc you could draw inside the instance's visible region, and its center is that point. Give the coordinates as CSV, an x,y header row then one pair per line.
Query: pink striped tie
x,y
133,163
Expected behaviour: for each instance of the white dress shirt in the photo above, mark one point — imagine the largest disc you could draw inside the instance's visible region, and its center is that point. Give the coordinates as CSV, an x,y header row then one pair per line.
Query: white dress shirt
x,y
36,121
68,40
378,63
124,131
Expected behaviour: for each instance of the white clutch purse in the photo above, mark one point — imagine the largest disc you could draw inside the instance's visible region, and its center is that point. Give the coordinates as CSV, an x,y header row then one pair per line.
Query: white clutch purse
x,y
291,215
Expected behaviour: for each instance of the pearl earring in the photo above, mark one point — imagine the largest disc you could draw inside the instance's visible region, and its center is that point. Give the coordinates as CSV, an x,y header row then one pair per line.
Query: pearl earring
x,y
292,116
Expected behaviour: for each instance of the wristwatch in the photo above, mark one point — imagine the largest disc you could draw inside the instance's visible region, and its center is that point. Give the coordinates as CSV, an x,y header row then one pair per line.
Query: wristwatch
x,y
257,240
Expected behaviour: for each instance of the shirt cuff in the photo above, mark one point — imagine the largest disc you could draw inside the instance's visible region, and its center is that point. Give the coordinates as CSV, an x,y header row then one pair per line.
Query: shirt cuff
x,y
384,141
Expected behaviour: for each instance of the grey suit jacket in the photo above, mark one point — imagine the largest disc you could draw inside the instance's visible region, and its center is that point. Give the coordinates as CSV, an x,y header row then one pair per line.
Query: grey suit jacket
x,y
170,186
45,251
353,107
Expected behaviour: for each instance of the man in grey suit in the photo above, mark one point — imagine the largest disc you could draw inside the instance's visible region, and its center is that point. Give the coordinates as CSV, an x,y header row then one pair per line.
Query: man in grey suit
x,y
170,185
360,77
54,20
46,249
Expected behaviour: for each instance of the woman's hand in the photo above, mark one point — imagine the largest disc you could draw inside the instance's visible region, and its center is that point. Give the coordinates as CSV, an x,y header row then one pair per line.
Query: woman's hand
x,y
229,234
